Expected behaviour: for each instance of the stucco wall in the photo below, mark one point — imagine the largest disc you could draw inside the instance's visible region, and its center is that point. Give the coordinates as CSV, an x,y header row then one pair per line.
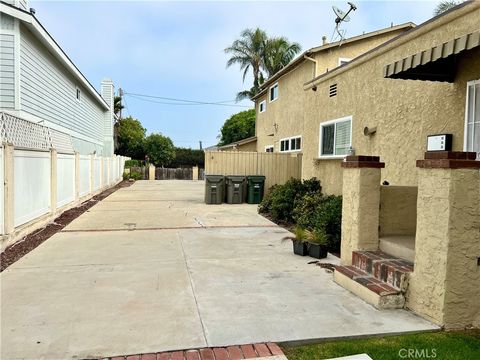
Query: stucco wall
x,y
445,286
398,210
288,111
404,111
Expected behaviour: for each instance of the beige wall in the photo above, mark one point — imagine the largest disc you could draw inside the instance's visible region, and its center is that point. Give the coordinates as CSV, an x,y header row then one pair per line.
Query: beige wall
x,y
288,111
398,210
404,111
277,168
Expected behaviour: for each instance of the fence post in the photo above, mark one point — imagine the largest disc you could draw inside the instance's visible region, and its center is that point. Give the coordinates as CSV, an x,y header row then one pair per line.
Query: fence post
x,y
77,176
8,220
195,173
101,172
151,172
92,172
53,180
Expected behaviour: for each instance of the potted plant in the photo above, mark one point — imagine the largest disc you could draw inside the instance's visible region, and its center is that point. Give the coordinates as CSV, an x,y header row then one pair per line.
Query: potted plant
x,y
317,244
299,241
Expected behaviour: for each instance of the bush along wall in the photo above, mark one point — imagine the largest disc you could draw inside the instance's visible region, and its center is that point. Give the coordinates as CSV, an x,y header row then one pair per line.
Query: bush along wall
x,y
302,204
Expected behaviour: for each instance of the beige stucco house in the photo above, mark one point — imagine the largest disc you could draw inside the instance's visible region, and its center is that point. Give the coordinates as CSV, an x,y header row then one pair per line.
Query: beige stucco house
x,y
280,106
248,144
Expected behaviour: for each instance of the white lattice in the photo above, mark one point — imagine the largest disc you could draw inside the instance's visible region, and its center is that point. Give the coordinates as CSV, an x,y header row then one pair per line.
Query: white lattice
x,y
26,134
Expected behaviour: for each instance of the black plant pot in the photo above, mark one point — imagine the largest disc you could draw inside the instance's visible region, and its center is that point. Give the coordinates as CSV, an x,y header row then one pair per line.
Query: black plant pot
x,y
299,248
317,251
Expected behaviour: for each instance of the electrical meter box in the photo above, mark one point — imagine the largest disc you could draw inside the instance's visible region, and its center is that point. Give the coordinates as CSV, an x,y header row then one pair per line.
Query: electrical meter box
x,y
441,142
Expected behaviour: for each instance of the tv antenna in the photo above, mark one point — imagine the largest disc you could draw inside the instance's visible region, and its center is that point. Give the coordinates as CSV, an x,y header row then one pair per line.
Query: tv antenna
x,y
341,18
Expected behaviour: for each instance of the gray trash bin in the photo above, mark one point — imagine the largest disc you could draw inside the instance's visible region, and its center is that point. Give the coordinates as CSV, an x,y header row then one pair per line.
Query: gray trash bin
x,y
214,189
236,189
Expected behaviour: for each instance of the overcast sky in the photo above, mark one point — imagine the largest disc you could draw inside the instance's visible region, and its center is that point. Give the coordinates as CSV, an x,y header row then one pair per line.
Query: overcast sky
x,y
175,49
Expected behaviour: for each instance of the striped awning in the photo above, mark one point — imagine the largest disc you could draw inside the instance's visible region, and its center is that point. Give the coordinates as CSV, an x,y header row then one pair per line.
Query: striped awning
x,y
434,64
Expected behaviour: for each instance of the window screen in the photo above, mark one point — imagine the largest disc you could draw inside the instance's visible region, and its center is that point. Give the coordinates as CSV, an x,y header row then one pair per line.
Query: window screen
x,y
328,136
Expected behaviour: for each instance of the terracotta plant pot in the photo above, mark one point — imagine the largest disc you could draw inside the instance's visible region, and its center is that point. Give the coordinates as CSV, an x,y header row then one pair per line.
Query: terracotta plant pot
x,y
299,248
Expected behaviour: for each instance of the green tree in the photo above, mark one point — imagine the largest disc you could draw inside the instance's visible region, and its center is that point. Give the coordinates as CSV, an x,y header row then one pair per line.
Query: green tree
x,y
444,6
131,137
117,105
278,53
159,149
248,52
188,157
238,127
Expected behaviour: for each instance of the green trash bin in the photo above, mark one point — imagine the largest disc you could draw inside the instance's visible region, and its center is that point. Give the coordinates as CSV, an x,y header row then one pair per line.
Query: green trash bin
x,y
256,188
214,189
235,189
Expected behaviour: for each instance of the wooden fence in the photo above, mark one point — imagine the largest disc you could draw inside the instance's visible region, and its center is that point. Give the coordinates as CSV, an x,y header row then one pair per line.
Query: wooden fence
x,y
173,174
276,167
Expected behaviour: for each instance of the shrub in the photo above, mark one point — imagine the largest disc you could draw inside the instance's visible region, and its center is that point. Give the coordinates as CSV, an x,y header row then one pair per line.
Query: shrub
x,y
132,163
280,201
322,214
136,175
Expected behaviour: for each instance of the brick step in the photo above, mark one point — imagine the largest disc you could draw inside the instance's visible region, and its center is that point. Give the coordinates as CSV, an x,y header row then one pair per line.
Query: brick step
x,y
382,266
370,289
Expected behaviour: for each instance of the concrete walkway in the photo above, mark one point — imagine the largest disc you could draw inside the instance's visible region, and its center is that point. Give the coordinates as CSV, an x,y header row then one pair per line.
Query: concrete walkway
x,y
151,268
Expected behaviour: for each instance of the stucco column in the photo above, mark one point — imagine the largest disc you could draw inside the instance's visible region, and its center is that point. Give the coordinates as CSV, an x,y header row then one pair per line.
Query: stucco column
x,y
195,173
77,176
53,180
151,172
445,284
361,203
8,193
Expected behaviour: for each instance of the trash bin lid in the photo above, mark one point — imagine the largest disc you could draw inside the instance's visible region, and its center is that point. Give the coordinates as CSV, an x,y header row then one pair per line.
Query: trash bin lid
x,y
236,178
256,177
214,178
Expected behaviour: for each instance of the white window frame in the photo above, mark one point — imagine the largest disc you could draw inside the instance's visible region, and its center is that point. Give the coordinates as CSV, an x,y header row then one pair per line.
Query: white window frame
x,y
330,122
465,131
264,102
269,147
340,59
270,92
289,139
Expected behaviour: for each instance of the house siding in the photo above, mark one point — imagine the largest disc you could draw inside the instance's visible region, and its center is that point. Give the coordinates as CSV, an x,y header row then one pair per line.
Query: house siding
x,y
48,91
7,71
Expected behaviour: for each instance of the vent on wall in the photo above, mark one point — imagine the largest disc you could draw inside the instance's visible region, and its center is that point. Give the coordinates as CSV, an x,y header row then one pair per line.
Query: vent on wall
x,y
333,90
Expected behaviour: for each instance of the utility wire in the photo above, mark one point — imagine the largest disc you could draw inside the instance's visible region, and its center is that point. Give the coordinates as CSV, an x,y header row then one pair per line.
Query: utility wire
x,y
149,98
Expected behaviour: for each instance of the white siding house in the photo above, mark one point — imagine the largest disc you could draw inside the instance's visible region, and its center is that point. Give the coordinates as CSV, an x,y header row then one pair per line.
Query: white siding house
x,y
39,83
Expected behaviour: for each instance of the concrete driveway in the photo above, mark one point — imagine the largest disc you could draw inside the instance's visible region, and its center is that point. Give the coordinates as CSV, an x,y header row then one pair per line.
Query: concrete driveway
x,y
151,268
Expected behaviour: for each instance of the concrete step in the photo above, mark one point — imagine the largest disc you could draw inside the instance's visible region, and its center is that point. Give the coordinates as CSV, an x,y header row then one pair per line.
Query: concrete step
x,y
369,288
385,267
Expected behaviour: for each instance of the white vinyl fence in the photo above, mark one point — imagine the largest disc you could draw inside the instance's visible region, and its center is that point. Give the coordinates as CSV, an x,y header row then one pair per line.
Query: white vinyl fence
x,y
40,174
65,179
32,177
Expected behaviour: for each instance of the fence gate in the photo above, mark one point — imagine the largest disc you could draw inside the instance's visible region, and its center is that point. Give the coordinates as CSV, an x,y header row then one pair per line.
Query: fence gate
x,y
173,174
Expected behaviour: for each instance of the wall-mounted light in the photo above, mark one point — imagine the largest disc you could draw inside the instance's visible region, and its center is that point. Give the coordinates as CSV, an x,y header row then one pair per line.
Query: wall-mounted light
x,y
369,131
314,88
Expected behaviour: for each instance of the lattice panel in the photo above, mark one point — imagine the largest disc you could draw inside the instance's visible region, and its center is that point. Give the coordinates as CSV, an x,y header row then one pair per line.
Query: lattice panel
x,y
26,134
61,142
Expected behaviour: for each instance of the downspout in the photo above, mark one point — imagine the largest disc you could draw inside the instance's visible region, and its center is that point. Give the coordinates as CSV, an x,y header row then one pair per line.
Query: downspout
x,y
315,62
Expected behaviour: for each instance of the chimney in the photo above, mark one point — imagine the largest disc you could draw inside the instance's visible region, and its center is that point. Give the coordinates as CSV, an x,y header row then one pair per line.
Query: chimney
x,y
108,116
324,40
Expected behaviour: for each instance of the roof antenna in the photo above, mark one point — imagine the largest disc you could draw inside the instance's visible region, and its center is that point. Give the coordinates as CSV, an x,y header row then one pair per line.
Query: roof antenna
x,y
341,18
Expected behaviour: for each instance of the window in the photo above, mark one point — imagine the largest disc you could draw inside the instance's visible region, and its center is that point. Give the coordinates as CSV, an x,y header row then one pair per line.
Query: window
x,y
342,61
262,106
269,148
291,144
335,137
472,118
78,94
274,92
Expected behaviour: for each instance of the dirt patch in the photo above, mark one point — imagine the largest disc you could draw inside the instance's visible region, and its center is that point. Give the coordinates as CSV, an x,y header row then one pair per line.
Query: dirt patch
x,y
22,247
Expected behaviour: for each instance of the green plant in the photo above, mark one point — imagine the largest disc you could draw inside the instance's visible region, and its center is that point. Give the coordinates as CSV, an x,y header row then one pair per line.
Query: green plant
x,y
299,235
320,213
317,236
126,176
132,163
136,175
280,201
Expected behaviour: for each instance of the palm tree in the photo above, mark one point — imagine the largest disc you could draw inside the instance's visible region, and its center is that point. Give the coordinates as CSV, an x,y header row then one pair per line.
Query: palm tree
x,y
278,53
117,105
445,5
248,52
